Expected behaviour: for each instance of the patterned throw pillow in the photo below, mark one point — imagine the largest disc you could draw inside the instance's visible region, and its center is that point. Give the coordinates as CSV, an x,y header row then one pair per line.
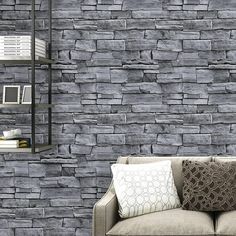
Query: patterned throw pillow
x,y
144,188
209,186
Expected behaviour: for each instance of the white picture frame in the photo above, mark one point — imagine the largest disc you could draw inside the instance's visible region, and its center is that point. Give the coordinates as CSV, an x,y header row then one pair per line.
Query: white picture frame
x,y
26,95
11,94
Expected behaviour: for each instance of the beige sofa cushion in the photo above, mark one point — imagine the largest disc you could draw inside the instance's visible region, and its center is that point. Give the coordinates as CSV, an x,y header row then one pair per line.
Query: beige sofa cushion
x,y
225,223
171,222
176,163
224,158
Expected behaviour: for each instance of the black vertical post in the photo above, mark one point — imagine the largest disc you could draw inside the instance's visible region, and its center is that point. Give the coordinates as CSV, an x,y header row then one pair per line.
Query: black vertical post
x,y
33,77
50,72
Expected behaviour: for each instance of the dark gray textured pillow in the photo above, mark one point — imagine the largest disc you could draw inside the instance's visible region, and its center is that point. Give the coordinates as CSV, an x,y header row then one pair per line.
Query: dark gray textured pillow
x,y
209,186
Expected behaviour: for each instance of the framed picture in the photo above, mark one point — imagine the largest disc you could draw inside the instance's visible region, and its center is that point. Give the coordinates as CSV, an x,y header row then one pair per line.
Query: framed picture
x,y
11,94
26,96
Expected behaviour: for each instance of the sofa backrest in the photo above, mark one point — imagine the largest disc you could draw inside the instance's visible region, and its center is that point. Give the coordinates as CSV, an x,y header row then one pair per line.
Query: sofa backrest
x,y
176,164
224,158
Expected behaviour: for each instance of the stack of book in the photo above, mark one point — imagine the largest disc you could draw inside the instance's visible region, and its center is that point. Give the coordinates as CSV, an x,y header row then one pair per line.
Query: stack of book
x,y
16,143
21,46
9,143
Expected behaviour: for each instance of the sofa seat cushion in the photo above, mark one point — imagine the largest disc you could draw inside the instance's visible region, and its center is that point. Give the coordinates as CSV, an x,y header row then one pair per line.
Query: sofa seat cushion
x,y
171,222
225,223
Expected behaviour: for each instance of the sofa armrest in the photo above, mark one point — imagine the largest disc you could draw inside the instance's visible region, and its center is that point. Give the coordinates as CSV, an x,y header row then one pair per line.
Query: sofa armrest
x,y
105,213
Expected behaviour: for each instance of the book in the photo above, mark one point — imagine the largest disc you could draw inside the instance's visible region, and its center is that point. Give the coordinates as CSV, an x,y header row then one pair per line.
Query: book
x,y
9,142
17,57
41,42
15,143
21,50
18,44
9,146
20,39
21,46
27,54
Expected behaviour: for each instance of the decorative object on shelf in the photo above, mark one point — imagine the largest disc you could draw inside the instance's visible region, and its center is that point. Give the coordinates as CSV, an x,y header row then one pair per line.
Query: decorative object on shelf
x,y
13,139
11,46
24,142
11,94
11,134
26,96
15,143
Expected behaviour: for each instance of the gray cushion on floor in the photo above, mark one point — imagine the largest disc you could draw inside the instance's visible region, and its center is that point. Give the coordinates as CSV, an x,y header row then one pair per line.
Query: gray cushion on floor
x,y
171,222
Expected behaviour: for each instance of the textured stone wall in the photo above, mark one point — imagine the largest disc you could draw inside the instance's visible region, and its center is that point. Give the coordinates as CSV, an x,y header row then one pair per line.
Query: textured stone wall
x,y
133,77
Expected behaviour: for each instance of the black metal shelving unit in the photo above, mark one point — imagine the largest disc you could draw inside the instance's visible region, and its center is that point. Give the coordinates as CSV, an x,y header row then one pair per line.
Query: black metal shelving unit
x,y
33,61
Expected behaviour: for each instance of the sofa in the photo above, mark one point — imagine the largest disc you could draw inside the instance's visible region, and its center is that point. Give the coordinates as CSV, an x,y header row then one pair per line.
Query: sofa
x,y
106,220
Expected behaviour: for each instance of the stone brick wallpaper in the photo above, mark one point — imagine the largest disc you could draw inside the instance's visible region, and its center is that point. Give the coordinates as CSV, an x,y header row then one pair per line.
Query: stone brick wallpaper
x,y
132,77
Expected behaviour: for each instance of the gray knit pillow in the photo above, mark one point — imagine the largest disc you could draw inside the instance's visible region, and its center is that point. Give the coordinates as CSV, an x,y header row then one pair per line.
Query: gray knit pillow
x,y
209,186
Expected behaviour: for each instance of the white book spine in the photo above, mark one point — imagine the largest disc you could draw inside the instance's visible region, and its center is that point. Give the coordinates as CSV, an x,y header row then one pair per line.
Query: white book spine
x,y
20,39
21,51
17,57
22,54
3,56
21,46
8,146
17,37
9,142
17,44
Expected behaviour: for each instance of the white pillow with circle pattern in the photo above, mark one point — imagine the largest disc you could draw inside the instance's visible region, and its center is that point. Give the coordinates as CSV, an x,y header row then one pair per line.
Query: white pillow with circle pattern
x,y
144,188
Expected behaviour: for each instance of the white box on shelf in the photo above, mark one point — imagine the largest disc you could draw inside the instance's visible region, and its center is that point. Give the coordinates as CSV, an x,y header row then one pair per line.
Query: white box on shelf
x,y
21,46
28,54
20,39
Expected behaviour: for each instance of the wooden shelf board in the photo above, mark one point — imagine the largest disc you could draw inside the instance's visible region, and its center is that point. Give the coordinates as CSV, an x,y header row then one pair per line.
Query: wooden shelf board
x,y
39,148
16,106
24,60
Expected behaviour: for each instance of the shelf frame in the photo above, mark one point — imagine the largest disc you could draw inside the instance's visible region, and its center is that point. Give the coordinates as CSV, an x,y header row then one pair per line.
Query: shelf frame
x,y
32,61
38,148
24,60
33,65
15,106
50,72
33,134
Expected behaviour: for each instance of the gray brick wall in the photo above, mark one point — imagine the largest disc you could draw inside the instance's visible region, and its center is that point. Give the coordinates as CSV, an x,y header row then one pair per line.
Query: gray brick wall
x,y
133,77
